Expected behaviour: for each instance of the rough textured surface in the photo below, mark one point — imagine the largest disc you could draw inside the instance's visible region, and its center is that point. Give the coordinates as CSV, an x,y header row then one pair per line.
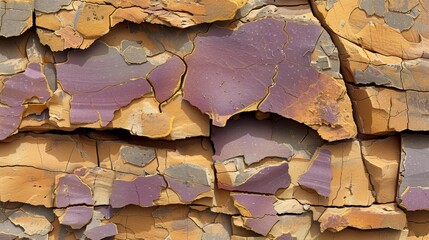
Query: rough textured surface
x,y
76,24
412,190
278,68
228,119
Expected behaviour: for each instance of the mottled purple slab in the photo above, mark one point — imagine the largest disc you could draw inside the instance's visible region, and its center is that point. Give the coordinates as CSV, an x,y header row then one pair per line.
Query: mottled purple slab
x,y
286,236
16,92
187,180
295,74
166,78
257,205
268,180
229,70
10,118
319,175
101,232
102,105
302,39
415,198
414,171
7,236
107,211
101,82
142,191
249,138
76,216
25,86
72,191
262,225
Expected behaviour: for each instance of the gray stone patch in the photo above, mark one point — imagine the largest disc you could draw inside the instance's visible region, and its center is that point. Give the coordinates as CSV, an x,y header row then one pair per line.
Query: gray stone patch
x,y
136,155
15,17
330,4
133,52
373,7
402,6
189,173
399,21
49,6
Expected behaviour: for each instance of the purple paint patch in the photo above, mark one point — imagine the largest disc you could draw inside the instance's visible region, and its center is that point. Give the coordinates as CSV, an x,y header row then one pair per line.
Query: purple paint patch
x,y
7,236
286,236
187,191
107,211
230,70
247,137
101,82
17,91
187,180
142,191
257,205
25,86
301,42
101,232
262,225
414,185
72,191
292,80
296,76
94,106
319,175
76,216
166,78
415,198
268,180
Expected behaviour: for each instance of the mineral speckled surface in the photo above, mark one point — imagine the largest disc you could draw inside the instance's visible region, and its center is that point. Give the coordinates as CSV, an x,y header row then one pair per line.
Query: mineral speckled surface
x,y
214,119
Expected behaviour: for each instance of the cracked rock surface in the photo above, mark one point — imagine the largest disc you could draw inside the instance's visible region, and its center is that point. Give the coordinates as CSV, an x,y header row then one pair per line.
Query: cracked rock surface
x,y
228,119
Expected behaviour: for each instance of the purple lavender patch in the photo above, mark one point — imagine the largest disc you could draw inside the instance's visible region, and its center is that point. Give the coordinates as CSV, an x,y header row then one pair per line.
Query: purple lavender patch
x,y
107,211
142,191
262,225
187,180
72,191
414,184
166,77
100,81
76,216
94,106
257,205
301,42
101,232
15,92
247,137
8,236
286,236
268,180
295,74
415,198
24,86
10,118
318,177
229,70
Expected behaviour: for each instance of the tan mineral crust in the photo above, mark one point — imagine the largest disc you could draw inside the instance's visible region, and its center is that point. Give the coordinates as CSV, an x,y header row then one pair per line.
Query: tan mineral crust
x,y
214,119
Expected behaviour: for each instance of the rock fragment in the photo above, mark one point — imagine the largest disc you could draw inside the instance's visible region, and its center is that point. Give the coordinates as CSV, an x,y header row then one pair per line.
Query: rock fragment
x,y
276,59
318,176
412,189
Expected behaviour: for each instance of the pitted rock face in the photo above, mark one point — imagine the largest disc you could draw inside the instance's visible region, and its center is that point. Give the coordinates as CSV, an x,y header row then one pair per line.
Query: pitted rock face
x,y
225,78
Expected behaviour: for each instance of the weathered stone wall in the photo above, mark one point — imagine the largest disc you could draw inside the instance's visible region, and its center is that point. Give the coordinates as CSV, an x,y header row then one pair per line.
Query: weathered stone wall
x,y
214,119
